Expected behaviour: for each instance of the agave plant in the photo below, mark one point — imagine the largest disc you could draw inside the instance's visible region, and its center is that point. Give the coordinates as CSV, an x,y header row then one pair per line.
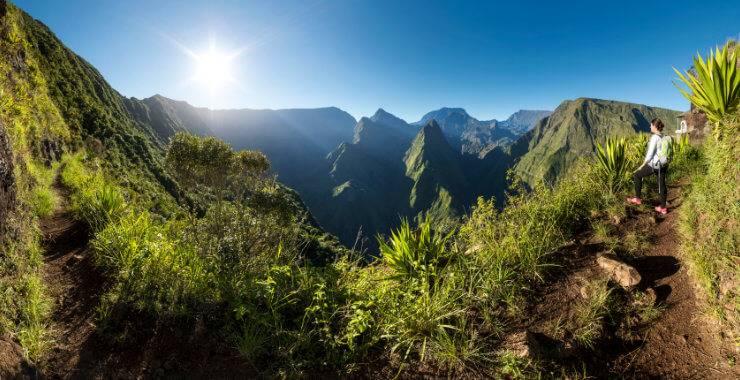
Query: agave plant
x,y
716,86
613,163
412,253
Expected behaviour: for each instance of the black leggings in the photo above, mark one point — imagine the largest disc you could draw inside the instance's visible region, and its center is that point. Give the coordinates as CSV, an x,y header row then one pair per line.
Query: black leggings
x,y
646,171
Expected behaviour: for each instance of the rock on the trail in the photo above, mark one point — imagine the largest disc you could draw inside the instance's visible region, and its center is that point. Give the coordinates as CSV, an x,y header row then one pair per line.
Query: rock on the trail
x,y
623,273
524,344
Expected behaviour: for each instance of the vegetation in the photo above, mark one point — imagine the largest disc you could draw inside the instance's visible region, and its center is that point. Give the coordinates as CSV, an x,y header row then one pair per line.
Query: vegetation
x,y
557,143
716,86
712,203
613,164
187,227
709,223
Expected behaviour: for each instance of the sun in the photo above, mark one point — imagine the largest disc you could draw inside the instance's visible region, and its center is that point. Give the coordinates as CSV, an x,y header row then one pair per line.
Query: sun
x,y
213,69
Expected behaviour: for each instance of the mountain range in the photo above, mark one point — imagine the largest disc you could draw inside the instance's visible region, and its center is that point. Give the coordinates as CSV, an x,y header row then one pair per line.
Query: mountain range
x,y
364,176
354,175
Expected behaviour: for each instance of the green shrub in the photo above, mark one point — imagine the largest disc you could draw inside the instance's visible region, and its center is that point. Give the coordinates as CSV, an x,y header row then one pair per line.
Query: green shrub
x,y
711,237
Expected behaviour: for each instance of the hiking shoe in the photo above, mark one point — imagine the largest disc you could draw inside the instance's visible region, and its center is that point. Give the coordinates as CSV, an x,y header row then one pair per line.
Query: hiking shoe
x,y
636,201
661,210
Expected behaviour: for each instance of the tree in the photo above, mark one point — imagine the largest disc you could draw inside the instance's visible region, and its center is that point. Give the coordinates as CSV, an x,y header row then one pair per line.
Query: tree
x,y
212,162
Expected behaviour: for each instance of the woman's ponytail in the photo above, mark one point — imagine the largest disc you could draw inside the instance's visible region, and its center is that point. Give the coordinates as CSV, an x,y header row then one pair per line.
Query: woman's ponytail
x,y
658,124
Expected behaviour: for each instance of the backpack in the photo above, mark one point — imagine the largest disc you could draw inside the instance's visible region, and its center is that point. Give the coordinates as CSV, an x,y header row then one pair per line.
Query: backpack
x,y
665,151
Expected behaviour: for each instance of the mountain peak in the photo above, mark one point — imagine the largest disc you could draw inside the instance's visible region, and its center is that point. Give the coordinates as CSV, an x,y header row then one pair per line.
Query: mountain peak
x,y
432,136
431,127
381,116
442,114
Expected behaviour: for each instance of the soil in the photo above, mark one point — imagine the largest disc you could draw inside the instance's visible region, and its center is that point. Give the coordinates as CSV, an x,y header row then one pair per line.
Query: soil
x,y
680,343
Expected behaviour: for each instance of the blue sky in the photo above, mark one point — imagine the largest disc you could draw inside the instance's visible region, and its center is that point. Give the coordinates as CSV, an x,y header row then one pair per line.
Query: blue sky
x,y
409,57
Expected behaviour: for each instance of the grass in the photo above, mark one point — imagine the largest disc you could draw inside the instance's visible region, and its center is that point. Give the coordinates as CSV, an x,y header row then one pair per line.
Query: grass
x,y
592,315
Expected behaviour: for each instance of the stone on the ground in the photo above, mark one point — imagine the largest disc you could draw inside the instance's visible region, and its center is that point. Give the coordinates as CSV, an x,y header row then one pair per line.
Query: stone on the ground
x,y
616,219
621,272
523,344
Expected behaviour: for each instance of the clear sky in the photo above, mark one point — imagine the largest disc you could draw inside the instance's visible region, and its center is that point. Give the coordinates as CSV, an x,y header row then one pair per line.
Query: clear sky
x,y
409,57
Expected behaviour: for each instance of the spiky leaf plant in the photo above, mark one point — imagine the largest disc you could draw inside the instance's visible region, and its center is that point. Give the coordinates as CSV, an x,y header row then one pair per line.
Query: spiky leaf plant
x,y
716,86
412,253
613,163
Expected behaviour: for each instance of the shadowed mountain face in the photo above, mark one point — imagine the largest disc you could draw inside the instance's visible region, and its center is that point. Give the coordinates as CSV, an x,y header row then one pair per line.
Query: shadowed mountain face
x,y
296,141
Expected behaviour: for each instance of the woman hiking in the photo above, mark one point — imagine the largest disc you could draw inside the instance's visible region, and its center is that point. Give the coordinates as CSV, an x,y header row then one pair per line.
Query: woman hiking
x,y
652,165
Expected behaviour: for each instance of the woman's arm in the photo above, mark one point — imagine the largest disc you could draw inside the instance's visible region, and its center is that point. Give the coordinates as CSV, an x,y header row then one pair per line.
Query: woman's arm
x,y
652,148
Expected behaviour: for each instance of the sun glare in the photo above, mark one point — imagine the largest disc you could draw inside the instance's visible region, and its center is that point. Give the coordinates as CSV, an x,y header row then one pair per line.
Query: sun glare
x,y
213,69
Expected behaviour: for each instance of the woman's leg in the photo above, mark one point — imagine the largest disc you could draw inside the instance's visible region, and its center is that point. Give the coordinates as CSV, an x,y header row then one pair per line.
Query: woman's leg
x,y
644,172
661,186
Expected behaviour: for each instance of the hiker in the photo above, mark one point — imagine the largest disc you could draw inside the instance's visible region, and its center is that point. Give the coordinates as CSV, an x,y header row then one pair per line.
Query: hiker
x,y
658,156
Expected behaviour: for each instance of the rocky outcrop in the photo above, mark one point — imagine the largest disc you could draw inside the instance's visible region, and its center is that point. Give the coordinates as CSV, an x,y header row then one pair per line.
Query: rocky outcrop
x,y
7,183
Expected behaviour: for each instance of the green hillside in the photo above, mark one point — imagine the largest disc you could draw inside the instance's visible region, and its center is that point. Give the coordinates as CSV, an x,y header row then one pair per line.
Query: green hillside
x,y
572,131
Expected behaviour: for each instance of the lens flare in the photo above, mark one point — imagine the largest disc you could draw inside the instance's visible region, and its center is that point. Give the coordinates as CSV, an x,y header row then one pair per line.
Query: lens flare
x,y
213,69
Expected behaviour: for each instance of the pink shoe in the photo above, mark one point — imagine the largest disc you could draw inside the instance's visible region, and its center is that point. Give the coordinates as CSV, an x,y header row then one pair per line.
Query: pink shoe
x,y
661,210
636,201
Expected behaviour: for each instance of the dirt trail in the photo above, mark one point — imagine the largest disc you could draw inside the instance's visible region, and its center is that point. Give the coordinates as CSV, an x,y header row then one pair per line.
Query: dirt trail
x,y
75,284
682,343
679,344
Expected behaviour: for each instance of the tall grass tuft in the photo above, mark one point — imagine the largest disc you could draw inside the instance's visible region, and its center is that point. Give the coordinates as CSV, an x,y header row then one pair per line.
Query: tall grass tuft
x,y
413,253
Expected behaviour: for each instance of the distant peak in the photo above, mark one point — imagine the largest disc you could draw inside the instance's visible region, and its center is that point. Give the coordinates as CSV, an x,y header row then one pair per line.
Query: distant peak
x,y
452,110
381,116
442,114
